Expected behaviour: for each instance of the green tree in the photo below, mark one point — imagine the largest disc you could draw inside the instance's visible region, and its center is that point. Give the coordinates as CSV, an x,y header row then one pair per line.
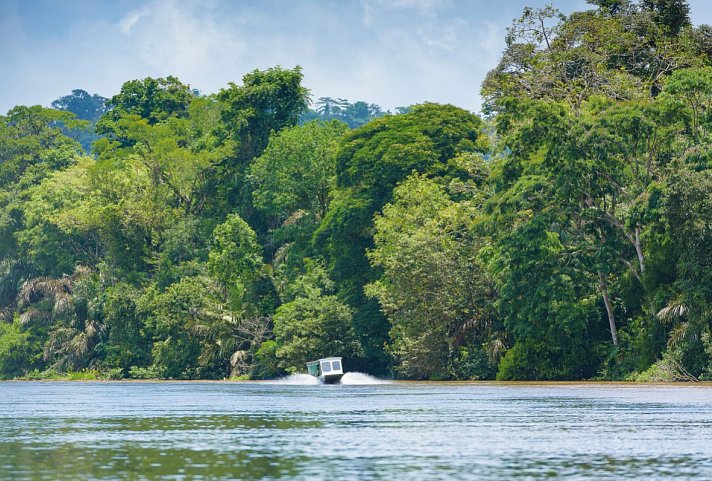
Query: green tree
x,y
370,162
127,343
152,99
297,171
314,324
235,257
86,107
168,317
82,104
621,50
673,15
434,291
293,182
352,114
14,350
266,101
72,307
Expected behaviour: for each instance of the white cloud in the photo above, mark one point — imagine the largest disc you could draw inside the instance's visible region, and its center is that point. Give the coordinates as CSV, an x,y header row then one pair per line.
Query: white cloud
x,y
421,5
131,18
389,52
444,35
373,10
189,41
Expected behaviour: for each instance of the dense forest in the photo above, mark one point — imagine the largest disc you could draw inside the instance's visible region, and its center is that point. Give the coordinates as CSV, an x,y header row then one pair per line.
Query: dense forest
x,y
566,233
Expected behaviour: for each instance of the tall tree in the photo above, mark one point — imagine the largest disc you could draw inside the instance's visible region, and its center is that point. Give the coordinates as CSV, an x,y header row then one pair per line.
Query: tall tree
x,y
370,162
434,290
266,102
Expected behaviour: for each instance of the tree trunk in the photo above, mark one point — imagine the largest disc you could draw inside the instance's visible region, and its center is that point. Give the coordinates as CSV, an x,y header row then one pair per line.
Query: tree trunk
x,y
639,251
609,308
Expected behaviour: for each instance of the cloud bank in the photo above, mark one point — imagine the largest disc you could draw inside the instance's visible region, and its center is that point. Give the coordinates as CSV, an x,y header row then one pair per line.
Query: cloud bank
x,y
389,52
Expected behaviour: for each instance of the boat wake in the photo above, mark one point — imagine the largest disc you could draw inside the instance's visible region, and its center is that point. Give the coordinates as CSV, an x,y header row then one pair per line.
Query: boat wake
x,y
297,380
360,379
349,379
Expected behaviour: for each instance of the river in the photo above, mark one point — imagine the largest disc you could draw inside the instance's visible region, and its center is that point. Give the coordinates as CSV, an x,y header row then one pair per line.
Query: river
x,y
362,431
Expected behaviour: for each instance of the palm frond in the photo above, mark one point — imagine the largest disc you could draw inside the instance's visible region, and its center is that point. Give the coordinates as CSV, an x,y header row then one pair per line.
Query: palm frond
x,y
35,316
676,308
281,255
295,217
6,314
62,305
670,312
496,349
39,288
678,334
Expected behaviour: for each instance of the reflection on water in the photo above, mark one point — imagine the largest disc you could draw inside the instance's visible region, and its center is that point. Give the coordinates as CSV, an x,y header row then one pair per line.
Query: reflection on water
x,y
221,431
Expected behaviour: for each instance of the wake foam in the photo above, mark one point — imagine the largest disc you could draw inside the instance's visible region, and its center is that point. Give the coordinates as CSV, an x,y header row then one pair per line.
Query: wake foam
x,y
360,379
297,380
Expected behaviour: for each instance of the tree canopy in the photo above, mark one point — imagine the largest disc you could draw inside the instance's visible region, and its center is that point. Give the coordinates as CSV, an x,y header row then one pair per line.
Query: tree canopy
x,y
564,234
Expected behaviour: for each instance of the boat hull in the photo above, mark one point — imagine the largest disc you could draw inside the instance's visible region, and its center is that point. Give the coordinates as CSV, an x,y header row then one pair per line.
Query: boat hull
x,y
331,379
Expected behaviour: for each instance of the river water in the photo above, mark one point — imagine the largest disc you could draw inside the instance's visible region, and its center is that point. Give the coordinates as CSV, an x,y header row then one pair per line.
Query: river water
x,y
362,431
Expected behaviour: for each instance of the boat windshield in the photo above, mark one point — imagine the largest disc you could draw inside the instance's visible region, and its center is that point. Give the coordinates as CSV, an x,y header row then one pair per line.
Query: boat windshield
x,y
325,366
336,365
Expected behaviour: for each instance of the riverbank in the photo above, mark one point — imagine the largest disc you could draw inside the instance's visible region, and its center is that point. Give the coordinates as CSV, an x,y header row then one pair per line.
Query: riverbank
x,y
83,378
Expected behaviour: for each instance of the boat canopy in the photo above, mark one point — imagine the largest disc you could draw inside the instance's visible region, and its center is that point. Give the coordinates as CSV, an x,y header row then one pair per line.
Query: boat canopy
x,y
325,367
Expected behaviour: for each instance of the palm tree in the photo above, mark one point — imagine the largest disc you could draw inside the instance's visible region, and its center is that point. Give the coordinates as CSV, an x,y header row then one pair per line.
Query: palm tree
x,y
230,334
13,273
69,305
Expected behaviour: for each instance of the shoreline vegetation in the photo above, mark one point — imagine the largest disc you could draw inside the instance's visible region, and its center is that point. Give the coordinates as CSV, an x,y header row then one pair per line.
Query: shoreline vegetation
x,y
564,233
103,378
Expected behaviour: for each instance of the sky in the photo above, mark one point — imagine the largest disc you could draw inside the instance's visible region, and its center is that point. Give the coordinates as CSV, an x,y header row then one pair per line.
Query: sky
x,y
389,52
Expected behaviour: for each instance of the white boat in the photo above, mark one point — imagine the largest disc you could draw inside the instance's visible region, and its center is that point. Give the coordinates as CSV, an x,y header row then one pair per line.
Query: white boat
x,y
328,370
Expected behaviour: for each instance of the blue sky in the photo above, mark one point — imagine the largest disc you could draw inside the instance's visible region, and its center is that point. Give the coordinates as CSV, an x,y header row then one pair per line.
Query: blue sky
x,y
389,52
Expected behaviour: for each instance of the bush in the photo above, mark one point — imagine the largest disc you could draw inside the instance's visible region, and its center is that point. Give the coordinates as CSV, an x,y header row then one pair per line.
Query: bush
x,y
114,374
267,364
312,327
150,372
14,350
37,375
472,363
526,361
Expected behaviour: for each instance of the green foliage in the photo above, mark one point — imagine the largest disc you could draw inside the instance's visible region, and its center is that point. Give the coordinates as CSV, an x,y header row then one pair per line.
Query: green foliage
x,y
14,350
32,145
673,15
297,171
472,363
311,326
82,104
370,162
127,343
83,375
86,107
266,101
352,114
621,50
235,260
150,372
267,362
568,236
528,361
434,291
153,100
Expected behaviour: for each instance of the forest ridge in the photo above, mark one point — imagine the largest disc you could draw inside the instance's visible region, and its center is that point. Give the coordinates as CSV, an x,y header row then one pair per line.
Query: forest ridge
x,y
566,233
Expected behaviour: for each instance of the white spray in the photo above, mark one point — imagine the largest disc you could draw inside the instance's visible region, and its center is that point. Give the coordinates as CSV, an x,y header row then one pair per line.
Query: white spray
x,y
297,380
360,379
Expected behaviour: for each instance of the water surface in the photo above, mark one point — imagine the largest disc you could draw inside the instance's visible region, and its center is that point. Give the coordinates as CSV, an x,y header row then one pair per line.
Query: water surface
x,y
414,431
